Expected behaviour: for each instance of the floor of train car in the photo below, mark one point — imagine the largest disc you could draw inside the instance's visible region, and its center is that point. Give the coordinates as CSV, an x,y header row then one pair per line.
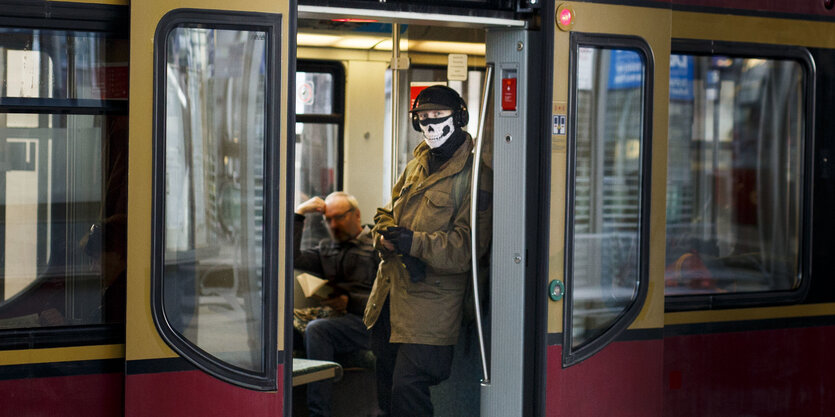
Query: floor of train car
x,y
355,394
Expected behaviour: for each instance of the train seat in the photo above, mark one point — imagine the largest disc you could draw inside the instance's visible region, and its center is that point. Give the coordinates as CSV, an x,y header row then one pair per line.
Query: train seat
x,y
306,371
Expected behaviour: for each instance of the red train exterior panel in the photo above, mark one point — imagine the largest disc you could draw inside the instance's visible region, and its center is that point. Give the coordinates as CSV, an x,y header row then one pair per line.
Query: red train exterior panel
x,y
64,396
195,393
784,372
624,379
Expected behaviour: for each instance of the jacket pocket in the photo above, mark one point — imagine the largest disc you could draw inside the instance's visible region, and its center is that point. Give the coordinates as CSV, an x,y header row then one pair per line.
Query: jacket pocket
x,y
422,289
436,212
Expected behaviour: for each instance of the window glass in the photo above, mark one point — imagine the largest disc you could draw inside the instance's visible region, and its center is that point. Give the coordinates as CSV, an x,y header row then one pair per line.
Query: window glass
x,y
62,65
63,195
314,92
214,191
318,136
734,174
607,188
317,168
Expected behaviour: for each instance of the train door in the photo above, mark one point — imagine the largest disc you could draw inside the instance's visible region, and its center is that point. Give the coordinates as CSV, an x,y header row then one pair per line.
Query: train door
x,y
209,128
498,384
608,124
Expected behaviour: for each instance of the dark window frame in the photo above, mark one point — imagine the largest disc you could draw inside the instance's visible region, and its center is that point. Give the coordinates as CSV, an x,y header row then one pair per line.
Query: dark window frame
x,y
271,24
337,116
570,355
42,14
801,55
110,21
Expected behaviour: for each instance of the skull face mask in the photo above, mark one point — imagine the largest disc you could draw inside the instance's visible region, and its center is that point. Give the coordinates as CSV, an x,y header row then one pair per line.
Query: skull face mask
x,y
436,131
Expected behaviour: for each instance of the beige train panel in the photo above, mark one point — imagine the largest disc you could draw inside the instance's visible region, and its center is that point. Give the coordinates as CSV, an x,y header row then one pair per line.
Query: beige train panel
x,y
745,314
731,28
142,339
63,354
653,26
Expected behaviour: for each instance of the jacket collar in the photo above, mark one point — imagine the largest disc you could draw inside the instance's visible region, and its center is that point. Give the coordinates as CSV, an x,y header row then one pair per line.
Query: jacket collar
x,y
459,160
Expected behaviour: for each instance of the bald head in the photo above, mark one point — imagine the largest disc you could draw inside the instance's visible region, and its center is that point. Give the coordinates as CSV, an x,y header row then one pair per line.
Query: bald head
x,y
342,215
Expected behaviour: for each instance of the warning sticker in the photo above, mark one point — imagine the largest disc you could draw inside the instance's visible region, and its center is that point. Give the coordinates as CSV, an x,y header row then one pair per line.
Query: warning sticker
x,y
559,125
559,128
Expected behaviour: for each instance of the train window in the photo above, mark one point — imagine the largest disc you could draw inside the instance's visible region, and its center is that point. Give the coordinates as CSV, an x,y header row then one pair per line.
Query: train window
x,y
735,174
63,201
320,90
211,292
63,65
609,197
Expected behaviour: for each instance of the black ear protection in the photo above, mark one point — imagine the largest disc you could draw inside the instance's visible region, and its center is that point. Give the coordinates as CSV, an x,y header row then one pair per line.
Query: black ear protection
x,y
460,115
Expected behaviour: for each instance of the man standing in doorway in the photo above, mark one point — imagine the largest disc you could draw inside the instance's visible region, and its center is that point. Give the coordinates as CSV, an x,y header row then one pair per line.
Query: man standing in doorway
x,y
423,236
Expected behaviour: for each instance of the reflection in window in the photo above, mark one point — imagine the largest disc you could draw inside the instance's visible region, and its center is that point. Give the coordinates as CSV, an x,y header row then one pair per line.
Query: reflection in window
x,y
62,65
318,136
733,182
315,92
607,188
63,195
214,191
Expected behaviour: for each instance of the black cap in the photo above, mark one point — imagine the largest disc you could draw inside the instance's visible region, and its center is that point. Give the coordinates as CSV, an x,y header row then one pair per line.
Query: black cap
x,y
437,97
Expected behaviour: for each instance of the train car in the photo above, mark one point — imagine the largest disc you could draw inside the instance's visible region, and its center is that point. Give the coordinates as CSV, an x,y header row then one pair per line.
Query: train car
x,y
659,170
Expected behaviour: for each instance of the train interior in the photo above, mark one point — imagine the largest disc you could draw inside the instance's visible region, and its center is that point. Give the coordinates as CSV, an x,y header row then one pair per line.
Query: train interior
x,y
63,182
351,150
736,181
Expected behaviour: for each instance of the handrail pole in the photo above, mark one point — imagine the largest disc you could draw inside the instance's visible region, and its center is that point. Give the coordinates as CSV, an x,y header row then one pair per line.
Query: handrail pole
x,y
395,101
474,221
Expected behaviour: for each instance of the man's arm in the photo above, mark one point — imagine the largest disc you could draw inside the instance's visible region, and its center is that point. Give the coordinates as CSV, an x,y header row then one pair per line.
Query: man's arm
x,y
306,260
385,217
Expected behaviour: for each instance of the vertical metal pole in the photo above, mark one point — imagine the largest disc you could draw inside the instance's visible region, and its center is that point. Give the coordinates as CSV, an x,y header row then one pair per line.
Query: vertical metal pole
x,y
395,100
474,220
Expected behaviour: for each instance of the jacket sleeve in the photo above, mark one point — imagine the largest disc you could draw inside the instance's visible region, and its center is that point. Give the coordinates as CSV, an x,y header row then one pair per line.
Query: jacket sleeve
x,y
306,260
385,215
358,296
447,251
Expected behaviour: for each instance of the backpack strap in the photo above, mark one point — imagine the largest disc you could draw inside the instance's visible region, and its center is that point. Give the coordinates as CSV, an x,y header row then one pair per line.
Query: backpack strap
x,y
461,182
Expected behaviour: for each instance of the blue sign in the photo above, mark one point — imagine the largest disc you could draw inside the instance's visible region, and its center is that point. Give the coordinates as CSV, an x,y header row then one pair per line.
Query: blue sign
x,y
626,69
681,77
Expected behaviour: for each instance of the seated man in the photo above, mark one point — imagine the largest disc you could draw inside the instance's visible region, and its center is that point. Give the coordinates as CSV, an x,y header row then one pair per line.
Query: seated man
x,y
349,263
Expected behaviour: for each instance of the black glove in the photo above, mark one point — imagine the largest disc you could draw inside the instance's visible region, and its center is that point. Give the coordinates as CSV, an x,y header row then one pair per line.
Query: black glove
x,y
415,267
400,237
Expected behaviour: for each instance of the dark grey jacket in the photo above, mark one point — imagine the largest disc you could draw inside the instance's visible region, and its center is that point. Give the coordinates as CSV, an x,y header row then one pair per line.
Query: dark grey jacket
x,y
349,267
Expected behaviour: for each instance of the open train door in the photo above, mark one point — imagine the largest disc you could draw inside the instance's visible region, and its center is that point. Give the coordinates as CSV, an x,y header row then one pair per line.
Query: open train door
x,y
608,124
207,190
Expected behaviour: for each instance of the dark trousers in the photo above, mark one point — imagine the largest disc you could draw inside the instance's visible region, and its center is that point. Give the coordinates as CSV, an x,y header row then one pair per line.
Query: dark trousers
x,y
406,371
324,338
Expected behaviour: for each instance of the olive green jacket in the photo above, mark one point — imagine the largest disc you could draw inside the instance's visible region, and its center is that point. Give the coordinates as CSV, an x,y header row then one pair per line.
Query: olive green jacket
x,y
437,209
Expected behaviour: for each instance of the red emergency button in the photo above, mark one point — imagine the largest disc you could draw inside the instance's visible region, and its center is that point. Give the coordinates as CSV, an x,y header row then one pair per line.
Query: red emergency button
x,y
509,94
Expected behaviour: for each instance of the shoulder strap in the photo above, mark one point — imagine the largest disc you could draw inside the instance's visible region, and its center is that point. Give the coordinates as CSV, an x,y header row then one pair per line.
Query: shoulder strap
x,y
461,182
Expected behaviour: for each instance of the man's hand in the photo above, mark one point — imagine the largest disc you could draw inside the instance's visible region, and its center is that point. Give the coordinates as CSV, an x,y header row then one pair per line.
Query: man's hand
x,y
400,238
314,205
386,244
338,303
